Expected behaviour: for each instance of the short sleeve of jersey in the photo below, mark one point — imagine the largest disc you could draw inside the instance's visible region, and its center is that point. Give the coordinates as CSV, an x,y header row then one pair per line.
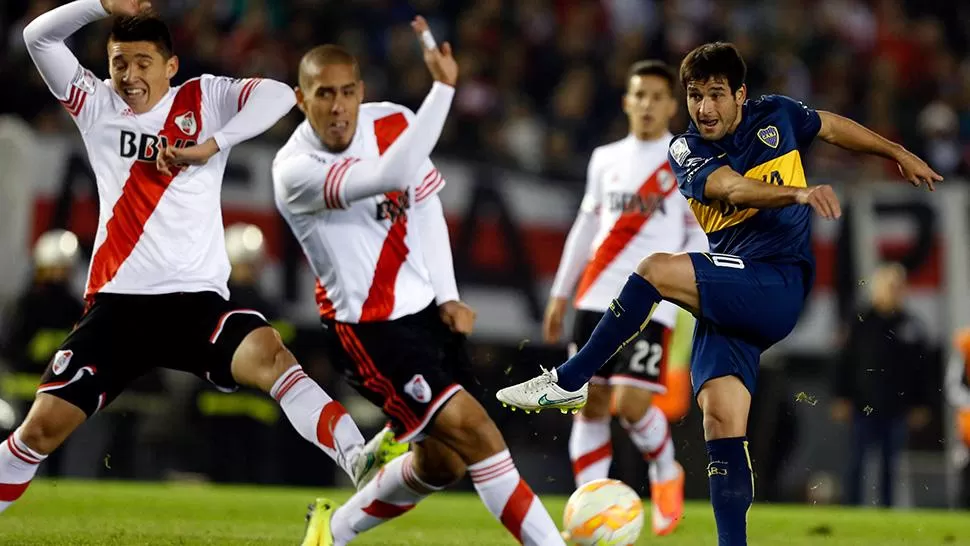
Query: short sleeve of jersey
x,y
693,160
591,198
805,121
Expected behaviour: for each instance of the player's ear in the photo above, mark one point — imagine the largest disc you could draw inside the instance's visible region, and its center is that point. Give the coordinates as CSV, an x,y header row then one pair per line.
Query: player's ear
x,y
360,91
299,98
171,67
741,94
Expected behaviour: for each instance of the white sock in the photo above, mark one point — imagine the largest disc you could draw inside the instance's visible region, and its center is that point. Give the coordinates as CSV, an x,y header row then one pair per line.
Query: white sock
x,y
651,435
18,464
590,449
320,419
393,492
510,499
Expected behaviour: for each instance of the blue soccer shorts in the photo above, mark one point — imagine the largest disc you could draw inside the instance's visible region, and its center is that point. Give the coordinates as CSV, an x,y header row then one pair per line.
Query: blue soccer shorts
x,y
746,306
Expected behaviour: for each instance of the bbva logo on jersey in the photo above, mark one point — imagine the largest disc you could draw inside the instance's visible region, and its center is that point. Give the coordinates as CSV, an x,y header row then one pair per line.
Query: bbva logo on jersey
x,y
395,206
145,147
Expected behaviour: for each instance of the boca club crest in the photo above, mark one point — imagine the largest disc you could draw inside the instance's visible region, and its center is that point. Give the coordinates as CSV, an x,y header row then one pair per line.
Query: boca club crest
x,y
769,135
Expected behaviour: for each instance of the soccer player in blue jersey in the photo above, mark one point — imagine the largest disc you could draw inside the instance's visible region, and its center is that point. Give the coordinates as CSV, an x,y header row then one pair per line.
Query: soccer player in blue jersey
x,y
740,166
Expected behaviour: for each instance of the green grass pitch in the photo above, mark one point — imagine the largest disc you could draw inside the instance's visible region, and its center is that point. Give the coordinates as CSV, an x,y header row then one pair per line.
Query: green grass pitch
x,y
130,514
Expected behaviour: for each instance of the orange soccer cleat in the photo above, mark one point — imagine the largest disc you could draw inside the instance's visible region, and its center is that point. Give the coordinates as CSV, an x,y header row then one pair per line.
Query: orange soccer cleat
x,y
668,503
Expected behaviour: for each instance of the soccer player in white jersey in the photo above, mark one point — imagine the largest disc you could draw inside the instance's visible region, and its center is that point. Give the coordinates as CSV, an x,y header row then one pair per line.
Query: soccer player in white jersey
x,y
357,188
631,209
156,293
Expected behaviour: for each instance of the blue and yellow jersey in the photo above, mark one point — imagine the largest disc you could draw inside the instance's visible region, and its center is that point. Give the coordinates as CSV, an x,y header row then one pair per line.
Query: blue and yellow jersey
x,y
767,145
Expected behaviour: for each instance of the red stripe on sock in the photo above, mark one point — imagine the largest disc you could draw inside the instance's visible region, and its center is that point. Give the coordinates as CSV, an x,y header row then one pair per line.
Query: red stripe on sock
x,y
650,419
494,471
516,509
656,453
593,457
19,453
292,379
10,492
386,510
330,415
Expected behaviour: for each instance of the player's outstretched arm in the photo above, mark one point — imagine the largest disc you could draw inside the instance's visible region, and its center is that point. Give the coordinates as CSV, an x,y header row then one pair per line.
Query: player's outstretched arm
x,y
265,103
726,185
847,134
45,35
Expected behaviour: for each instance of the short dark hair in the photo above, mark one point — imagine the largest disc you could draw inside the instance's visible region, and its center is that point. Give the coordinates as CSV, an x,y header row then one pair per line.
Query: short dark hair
x,y
656,68
714,60
326,55
143,28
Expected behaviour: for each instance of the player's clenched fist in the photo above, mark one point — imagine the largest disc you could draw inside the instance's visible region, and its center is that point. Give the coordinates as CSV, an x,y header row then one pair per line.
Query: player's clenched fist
x,y
459,317
440,61
125,7
822,199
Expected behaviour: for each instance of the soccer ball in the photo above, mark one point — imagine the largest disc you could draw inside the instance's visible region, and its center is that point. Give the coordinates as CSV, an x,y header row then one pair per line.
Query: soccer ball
x,y
603,513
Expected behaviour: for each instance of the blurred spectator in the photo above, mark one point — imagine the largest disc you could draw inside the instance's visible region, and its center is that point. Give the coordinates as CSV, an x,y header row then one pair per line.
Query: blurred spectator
x,y
519,63
878,382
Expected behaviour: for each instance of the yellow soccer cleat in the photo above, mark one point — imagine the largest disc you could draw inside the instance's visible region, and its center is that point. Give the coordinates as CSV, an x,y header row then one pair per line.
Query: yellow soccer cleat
x,y
318,523
380,450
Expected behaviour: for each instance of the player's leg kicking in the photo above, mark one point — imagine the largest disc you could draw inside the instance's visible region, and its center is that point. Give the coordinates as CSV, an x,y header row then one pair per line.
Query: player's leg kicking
x,y
723,399
624,387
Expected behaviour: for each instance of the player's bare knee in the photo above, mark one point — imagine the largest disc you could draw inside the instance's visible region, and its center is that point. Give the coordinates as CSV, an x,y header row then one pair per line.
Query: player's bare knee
x,y
261,359
598,403
43,434
720,422
632,404
437,464
49,422
653,268
464,426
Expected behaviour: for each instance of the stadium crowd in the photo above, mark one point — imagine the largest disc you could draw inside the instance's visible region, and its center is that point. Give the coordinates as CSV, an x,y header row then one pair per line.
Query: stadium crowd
x,y
542,79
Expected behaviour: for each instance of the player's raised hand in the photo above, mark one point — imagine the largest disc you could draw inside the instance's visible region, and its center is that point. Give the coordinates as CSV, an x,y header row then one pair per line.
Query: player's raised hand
x,y
172,157
916,171
440,61
822,199
459,317
125,7
552,322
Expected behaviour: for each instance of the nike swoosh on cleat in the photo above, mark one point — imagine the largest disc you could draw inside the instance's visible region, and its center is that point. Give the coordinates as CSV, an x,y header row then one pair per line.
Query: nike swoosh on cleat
x,y
544,400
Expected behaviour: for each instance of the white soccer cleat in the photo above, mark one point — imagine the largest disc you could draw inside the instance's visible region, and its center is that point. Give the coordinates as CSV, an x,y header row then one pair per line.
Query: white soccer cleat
x,y
541,393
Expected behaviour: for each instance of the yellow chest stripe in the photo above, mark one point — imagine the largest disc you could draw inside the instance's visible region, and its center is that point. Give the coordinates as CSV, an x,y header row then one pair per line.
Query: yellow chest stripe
x,y
785,170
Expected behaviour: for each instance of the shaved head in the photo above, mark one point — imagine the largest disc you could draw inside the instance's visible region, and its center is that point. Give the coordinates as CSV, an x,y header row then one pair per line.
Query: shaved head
x,y
330,93
321,57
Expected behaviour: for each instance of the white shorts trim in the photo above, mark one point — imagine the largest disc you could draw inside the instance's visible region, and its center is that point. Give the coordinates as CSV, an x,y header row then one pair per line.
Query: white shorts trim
x,y
630,381
417,433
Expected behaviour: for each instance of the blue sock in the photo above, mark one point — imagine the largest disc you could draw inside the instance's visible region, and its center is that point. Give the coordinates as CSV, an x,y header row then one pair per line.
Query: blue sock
x,y
732,488
626,317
